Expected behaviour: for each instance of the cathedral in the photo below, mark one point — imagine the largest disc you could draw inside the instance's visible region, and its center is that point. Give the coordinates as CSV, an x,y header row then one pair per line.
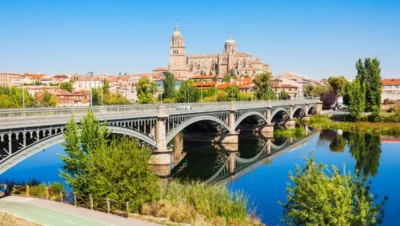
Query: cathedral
x,y
212,64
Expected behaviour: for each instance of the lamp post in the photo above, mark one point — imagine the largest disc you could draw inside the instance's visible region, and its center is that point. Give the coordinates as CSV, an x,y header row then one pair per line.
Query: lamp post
x,y
23,94
163,91
90,73
215,93
201,92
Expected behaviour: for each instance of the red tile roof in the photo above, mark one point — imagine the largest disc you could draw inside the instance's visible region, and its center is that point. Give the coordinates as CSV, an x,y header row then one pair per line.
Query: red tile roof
x,y
393,81
203,77
161,69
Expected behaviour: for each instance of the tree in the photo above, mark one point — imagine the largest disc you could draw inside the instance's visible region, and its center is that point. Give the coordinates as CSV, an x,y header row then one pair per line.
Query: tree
x,y
337,84
233,92
368,74
49,100
66,86
262,86
12,97
96,98
145,90
338,144
117,169
318,196
106,87
284,95
309,90
169,86
188,92
346,91
227,78
232,73
356,96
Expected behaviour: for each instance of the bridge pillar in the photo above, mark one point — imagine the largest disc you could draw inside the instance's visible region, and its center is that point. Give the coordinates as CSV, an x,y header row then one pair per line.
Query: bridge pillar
x,y
268,114
267,130
9,144
24,139
269,146
319,107
306,110
161,156
232,156
232,136
291,124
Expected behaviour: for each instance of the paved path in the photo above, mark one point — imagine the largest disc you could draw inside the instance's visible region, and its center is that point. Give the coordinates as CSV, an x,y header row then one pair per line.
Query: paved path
x,y
51,213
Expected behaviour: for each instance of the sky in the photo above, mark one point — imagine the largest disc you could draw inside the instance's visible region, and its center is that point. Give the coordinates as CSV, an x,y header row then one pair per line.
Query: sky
x,y
316,39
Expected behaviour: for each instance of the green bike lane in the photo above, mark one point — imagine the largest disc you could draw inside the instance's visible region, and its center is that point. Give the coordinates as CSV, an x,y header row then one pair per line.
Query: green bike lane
x,y
52,213
45,216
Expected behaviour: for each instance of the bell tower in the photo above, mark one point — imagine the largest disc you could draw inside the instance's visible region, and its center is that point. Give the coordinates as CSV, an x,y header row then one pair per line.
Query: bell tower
x,y
177,60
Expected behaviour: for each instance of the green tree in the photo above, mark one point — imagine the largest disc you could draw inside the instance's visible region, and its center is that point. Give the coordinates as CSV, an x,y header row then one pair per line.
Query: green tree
x,y
49,100
337,84
96,97
356,96
117,169
121,172
318,196
66,86
262,86
169,86
232,73
233,92
106,87
309,90
188,92
369,75
12,97
227,78
346,91
145,90
284,95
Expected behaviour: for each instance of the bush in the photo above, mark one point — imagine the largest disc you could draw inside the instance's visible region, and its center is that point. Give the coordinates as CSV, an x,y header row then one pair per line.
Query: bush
x,y
55,190
318,196
187,202
38,191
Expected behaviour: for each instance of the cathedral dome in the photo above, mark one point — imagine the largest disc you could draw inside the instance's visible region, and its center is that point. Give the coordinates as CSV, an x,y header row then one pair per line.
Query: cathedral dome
x,y
176,32
230,41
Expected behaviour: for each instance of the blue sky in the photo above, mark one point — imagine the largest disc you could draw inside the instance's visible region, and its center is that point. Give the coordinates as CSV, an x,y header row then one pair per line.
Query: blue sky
x,y
314,38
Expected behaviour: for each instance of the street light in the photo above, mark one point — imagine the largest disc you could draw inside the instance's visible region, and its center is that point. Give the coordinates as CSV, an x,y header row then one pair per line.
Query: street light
x,y
23,94
90,73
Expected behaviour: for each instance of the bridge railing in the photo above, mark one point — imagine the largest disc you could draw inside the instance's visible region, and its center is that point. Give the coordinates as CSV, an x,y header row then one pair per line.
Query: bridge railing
x,y
170,108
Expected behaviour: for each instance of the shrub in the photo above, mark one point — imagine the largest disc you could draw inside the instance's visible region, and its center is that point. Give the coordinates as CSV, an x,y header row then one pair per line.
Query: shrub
x,y
38,191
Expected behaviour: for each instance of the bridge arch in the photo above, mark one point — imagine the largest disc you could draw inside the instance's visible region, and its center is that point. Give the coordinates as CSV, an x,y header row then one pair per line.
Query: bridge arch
x,y
251,113
49,141
312,110
297,109
276,111
186,123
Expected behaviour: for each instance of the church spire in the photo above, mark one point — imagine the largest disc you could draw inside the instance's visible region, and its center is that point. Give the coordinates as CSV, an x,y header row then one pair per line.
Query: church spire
x,y
176,26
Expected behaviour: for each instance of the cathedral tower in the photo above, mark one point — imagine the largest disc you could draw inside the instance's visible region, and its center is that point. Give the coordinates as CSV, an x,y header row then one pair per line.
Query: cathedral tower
x,y
230,45
177,60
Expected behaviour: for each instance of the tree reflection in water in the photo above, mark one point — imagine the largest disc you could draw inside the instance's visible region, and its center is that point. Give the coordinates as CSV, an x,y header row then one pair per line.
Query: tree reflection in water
x,y
364,148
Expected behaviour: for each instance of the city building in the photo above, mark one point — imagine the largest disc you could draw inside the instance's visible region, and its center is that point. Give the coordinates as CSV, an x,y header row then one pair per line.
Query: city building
x,y
297,80
10,79
87,83
214,64
391,85
278,87
65,98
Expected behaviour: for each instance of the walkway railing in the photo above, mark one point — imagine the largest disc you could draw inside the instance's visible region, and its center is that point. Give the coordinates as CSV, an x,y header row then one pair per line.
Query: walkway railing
x,y
140,108
86,201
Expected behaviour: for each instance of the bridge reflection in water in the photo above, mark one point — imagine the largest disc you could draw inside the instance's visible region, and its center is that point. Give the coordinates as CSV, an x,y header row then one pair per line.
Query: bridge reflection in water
x,y
220,164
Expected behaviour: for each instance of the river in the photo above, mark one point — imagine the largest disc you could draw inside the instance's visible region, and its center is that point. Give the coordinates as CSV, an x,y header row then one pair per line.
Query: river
x,y
261,176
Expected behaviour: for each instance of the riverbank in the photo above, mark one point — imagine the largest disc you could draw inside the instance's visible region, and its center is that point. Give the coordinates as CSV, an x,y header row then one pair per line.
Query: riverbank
x,y
9,219
192,203
374,128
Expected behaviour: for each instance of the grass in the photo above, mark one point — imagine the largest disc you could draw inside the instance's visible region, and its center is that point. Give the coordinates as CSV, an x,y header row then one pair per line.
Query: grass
x,y
200,204
8,219
375,128
296,133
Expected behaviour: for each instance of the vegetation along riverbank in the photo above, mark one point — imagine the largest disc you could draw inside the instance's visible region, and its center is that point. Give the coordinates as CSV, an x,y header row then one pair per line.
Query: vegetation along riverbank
x,y
375,128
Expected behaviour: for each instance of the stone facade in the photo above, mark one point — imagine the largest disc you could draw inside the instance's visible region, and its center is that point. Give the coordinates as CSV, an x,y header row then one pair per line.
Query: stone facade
x,y
216,64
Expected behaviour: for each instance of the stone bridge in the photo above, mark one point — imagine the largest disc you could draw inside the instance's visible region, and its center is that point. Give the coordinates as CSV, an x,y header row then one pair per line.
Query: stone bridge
x,y
24,132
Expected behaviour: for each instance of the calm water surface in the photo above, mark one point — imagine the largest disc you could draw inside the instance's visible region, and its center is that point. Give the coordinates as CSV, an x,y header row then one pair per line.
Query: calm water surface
x,y
261,177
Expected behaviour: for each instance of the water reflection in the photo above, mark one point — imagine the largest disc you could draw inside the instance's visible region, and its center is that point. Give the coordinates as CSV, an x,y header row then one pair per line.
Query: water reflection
x,y
217,163
364,148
